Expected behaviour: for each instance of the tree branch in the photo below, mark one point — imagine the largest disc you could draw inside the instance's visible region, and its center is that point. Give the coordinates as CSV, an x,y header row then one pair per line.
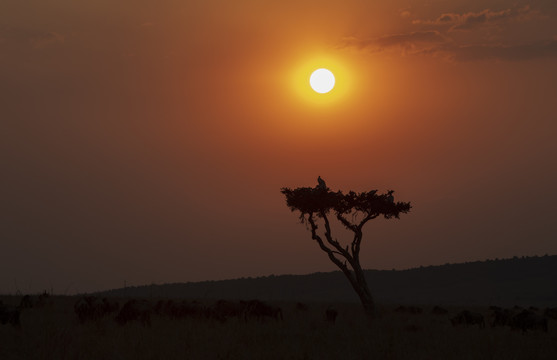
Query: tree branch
x,y
330,253
347,224
366,219
358,234
335,243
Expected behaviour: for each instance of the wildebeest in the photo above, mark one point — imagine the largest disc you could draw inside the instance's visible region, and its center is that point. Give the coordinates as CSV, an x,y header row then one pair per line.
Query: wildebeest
x,y
86,309
502,317
26,302
528,320
224,309
331,315
466,318
9,314
185,309
164,307
135,310
91,308
43,299
437,310
259,310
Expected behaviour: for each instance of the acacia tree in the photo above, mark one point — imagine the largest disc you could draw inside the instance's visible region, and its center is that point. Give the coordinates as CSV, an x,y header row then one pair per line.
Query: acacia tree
x,y
353,210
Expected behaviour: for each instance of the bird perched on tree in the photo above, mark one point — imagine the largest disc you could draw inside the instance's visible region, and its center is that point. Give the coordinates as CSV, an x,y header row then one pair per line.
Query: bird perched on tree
x,y
390,197
321,183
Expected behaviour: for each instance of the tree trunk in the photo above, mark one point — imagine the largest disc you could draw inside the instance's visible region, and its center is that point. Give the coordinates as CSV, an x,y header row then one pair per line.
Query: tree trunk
x,y
359,284
361,288
356,275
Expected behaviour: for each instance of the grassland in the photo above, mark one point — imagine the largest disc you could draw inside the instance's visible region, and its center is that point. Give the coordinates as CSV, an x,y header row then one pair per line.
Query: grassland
x,y
53,332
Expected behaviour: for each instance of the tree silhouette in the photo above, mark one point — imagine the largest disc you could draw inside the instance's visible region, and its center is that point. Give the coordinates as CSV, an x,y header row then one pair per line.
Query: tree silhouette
x,y
353,210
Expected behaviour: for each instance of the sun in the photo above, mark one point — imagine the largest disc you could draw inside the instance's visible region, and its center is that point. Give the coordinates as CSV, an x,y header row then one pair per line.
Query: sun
x,y
322,81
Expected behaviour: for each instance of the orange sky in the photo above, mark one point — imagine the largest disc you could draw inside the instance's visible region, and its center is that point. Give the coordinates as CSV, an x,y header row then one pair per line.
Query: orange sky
x,y
148,142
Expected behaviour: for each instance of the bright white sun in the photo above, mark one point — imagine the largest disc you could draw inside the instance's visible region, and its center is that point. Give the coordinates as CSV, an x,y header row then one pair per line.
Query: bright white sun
x,y
322,81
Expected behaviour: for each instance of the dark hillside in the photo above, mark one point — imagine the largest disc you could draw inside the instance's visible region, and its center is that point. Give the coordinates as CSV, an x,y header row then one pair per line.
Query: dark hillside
x,y
518,281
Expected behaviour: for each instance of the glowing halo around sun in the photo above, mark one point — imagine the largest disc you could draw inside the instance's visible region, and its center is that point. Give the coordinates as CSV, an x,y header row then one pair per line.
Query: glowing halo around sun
x,y
322,81
338,94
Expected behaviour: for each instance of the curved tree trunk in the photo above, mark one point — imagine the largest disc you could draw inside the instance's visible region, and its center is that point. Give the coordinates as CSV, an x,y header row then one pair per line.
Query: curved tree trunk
x,y
361,288
356,275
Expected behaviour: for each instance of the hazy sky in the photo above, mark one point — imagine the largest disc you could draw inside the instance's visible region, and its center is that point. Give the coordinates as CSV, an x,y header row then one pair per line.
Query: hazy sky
x,y
147,141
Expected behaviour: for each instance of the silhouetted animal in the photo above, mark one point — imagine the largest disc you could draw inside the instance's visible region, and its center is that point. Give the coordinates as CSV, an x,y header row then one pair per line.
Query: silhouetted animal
x,y
43,299
109,306
502,317
91,308
437,310
466,318
225,309
301,307
163,307
259,310
26,302
331,315
390,197
528,320
135,310
85,309
321,183
186,309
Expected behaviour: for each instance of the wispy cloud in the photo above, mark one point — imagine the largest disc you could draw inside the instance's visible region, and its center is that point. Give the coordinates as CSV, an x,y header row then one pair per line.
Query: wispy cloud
x,y
402,40
486,17
502,52
464,37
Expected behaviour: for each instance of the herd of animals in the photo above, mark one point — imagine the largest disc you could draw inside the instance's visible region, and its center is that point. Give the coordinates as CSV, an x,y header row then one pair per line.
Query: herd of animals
x,y
91,308
517,318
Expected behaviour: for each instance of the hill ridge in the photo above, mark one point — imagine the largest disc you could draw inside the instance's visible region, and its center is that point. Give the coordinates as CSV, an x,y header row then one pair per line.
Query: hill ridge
x,y
525,281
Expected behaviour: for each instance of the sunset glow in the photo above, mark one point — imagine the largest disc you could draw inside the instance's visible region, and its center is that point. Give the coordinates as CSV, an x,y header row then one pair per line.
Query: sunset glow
x,y
153,136
339,73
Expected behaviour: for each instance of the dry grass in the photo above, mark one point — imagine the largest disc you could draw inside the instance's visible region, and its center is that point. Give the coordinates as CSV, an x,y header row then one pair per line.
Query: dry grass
x,y
52,332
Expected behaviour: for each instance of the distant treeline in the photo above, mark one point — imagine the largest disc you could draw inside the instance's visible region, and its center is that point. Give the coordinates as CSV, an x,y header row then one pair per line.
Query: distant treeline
x,y
524,281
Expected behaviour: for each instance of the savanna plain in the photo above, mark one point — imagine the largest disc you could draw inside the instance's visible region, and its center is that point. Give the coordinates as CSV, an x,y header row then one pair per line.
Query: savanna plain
x,y
56,328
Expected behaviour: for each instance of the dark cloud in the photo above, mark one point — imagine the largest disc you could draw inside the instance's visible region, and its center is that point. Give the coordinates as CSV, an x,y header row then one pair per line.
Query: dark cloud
x,y
397,40
510,53
463,53
410,38
450,35
486,17
472,20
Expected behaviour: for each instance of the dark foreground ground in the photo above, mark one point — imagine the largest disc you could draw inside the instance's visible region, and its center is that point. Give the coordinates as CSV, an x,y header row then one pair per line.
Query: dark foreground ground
x,y
52,330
